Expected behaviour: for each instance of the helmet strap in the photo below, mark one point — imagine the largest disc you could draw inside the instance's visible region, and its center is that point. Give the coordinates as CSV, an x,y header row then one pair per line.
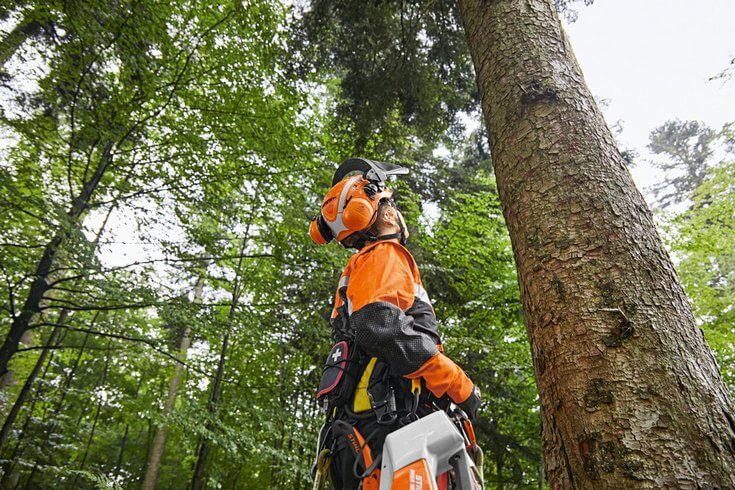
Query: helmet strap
x,y
400,235
363,237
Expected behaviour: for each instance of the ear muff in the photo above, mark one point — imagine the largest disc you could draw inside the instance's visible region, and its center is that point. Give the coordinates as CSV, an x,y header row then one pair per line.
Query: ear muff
x,y
358,214
349,207
319,231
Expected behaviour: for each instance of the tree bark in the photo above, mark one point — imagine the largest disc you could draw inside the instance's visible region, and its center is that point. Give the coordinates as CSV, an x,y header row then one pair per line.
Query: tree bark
x,y
159,442
631,396
28,385
10,475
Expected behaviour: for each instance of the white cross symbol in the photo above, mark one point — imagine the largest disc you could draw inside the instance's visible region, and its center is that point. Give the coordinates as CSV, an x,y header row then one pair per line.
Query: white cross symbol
x,y
337,354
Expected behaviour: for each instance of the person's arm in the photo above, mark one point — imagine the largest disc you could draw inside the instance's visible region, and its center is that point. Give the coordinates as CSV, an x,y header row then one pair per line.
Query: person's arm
x,y
380,292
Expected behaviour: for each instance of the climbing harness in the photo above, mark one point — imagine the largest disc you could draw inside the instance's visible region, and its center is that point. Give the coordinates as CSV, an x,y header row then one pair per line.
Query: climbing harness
x,y
421,441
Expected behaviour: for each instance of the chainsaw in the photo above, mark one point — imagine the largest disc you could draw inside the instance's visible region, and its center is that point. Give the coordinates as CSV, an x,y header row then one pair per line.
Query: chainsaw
x,y
436,452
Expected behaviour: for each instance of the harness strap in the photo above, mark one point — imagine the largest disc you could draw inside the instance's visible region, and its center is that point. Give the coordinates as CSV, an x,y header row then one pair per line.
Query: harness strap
x,y
361,450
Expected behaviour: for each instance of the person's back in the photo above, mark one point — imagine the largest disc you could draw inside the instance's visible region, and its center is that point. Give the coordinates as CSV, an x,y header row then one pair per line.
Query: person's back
x,y
386,367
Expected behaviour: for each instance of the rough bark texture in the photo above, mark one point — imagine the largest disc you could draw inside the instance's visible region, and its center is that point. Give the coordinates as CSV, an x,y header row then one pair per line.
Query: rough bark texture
x,y
159,442
631,396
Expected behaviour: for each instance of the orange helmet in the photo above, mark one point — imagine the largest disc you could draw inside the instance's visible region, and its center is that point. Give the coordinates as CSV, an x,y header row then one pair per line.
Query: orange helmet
x,y
351,205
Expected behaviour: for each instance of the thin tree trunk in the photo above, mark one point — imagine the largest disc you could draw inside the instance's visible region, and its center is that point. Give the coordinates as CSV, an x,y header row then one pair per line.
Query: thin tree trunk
x,y
10,477
631,395
159,442
540,474
40,285
124,441
61,320
96,415
204,448
278,445
28,385
73,370
64,391
123,445
499,470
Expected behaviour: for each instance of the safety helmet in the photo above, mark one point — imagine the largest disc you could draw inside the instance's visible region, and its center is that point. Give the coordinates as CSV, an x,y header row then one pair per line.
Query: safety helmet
x,y
351,205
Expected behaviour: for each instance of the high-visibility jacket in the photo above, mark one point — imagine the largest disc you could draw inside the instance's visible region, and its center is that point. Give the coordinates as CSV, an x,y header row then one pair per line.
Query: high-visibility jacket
x,y
381,303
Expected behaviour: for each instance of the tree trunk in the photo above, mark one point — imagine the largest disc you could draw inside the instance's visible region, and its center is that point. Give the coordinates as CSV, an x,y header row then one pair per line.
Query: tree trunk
x,y
40,284
205,448
73,370
10,475
124,441
631,395
61,320
28,385
96,415
64,390
159,442
197,480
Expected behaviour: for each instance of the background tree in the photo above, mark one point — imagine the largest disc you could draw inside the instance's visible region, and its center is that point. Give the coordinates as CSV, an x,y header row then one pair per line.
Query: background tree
x,y
702,238
686,148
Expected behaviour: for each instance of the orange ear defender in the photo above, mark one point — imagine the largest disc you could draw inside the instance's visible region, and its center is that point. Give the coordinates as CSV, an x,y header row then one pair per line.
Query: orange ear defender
x,y
319,231
351,205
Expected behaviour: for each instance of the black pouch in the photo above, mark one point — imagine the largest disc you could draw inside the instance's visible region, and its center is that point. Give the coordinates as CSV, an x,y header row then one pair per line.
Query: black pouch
x,y
339,377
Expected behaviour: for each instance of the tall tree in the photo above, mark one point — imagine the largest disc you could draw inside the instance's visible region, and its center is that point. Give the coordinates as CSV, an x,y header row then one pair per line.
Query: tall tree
x,y
402,67
159,441
81,128
630,392
686,148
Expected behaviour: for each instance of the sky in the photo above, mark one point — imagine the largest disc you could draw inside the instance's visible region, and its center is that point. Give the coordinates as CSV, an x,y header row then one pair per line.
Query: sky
x,y
653,60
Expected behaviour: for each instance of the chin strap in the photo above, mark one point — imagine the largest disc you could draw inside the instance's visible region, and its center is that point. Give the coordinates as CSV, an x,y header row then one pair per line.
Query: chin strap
x,y
401,234
363,237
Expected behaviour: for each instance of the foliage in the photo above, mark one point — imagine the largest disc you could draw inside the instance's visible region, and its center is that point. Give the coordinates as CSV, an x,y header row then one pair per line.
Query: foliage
x,y
703,238
473,284
405,62
566,8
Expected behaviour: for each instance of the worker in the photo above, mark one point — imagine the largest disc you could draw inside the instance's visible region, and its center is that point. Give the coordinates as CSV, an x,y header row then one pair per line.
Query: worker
x,y
387,367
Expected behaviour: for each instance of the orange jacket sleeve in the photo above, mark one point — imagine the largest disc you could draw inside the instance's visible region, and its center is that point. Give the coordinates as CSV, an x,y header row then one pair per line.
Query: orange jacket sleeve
x,y
392,319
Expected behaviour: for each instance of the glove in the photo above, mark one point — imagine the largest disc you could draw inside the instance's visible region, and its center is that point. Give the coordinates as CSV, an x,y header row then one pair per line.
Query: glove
x,y
472,404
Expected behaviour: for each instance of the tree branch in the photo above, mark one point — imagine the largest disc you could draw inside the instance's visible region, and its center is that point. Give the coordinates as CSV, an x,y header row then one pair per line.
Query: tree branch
x,y
153,261
128,338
